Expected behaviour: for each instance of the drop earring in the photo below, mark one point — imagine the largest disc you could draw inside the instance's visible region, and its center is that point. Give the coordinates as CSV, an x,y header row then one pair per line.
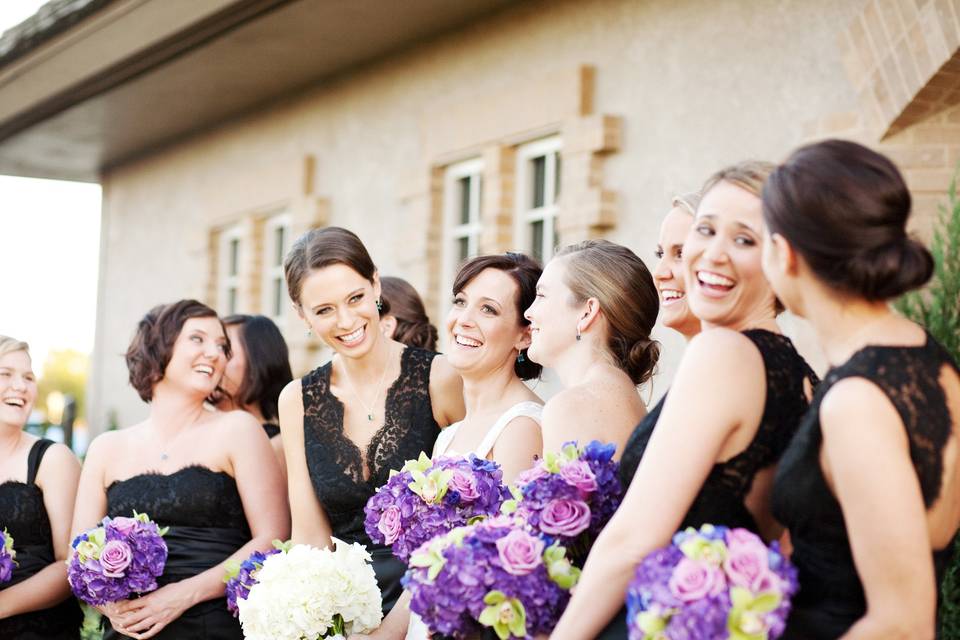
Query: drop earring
x,y
379,305
578,334
520,357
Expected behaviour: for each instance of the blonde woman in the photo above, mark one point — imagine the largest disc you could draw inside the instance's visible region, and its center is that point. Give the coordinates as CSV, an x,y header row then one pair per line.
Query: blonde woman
x,y
36,507
675,313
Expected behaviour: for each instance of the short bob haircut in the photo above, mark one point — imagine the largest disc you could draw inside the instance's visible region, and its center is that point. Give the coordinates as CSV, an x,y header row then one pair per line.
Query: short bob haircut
x,y
152,345
268,363
525,271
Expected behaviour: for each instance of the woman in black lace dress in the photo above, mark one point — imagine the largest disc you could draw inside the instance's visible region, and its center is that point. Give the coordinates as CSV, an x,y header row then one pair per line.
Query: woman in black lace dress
x,y
36,505
258,370
210,476
708,452
377,403
870,487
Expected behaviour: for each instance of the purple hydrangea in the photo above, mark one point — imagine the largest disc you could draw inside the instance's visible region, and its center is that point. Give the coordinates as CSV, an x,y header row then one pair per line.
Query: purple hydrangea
x,y
241,578
119,558
497,574
7,557
570,495
707,583
431,497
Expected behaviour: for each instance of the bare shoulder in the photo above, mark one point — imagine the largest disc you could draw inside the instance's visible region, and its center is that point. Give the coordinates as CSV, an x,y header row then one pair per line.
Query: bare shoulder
x,y
569,404
442,374
291,399
722,343
61,455
523,423
236,423
853,402
110,442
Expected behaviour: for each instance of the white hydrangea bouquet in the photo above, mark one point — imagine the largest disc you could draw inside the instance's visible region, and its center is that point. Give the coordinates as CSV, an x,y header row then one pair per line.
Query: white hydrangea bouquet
x,y
308,593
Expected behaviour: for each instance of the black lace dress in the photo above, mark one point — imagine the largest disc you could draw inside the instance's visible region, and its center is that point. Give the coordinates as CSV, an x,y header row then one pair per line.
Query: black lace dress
x,y
720,500
271,430
24,516
207,525
831,597
340,480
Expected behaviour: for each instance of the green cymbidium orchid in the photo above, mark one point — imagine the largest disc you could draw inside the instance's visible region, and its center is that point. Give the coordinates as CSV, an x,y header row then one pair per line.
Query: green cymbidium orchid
x,y
698,548
506,615
432,486
560,570
745,621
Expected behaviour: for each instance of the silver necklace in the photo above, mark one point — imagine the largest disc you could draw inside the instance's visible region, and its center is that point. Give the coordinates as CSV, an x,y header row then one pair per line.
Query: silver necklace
x,y
353,389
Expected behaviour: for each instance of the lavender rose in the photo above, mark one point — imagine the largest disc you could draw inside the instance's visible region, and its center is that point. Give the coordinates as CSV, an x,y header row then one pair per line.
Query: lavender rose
x,y
695,579
115,558
389,524
124,526
564,517
536,472
579,474
737,537
465,484
520,553
747,566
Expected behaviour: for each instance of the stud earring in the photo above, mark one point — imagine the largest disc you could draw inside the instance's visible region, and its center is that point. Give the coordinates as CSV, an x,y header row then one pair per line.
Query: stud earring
x,y
379,305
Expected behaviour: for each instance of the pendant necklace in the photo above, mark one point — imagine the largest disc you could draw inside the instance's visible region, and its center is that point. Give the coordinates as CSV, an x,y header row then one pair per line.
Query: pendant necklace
x,y
353,389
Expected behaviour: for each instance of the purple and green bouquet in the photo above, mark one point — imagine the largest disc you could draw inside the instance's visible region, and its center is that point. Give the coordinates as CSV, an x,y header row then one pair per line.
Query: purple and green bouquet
x,y
8,557
712,583
569,495
118,558
241,576
427,498
494,574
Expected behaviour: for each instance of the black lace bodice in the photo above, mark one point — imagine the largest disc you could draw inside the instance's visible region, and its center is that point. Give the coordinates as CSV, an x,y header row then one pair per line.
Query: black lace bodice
x,y
24,516
831,595
336,465
193,496
721,499
271,430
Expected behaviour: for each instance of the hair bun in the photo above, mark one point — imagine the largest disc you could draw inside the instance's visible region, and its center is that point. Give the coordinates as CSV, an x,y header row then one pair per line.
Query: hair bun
x,y
640,360
889,270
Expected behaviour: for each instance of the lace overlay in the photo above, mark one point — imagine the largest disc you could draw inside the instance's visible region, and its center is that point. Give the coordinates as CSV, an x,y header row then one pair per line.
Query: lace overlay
x,y
720,500
24,515
831,597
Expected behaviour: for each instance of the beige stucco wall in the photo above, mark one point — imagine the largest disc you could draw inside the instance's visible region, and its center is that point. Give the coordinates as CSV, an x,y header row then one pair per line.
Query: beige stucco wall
x,y
695,85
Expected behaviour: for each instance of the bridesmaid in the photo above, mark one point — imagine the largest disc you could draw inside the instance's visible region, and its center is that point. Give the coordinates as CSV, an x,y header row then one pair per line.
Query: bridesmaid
x,y
258,370
590,322
376,404
404,317
36,506
210,476
488,337
870,487
675,313
735,402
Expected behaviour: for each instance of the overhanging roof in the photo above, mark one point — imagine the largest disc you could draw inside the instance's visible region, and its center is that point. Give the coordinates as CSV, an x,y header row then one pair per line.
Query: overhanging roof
x,y
129,76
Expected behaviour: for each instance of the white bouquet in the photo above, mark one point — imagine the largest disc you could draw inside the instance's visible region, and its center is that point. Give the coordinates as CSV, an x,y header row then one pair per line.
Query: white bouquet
x,y
309,593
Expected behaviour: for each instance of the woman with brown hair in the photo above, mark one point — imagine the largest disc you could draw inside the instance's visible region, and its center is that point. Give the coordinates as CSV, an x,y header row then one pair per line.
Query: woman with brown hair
x,y
403,317
376,404
870,487
208,475
590,322
734,404
36,506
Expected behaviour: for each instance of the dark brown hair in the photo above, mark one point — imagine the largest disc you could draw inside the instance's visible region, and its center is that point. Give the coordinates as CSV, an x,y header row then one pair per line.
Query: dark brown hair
x,y
320,248
844,208
149,352
402,301
525,272
614,275
268,363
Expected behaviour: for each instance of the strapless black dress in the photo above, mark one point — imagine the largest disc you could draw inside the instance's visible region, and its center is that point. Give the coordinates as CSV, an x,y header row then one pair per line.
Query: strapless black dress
x,y
207,525
24,516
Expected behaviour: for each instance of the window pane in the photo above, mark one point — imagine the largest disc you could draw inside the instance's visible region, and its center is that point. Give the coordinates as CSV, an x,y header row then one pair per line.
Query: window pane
x,y
539,174
556,179
277,297
279,249
556,237
231,300
463,187
234,265
536,239
463,249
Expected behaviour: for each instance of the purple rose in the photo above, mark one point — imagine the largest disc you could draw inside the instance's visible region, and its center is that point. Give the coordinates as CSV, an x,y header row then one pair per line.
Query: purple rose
x,y
737,537
747,566
536,472
389,524
564,517
520,553
695,579
465,484
115,557
124,526
579,474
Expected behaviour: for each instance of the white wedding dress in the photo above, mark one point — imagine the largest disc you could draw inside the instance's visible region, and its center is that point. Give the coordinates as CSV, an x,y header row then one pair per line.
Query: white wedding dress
x,y
416,630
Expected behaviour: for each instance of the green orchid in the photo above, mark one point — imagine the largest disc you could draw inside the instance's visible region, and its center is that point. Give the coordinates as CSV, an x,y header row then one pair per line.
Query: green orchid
x,y
697,548
421,464
506,615
8,544
570,452
432,559
432,486
745,621
144,518
560,570
231,570
653,624
509,507
282,546
552,461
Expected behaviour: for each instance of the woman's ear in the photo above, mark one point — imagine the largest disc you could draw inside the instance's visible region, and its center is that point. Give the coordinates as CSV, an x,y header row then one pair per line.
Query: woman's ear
x,y
524,341
590,312
786,257
388,326
376,285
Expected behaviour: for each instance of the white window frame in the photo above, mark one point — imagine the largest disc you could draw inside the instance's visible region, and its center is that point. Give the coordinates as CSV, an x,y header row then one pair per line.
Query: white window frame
x,y
550,148
230,281
454,229
273,265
